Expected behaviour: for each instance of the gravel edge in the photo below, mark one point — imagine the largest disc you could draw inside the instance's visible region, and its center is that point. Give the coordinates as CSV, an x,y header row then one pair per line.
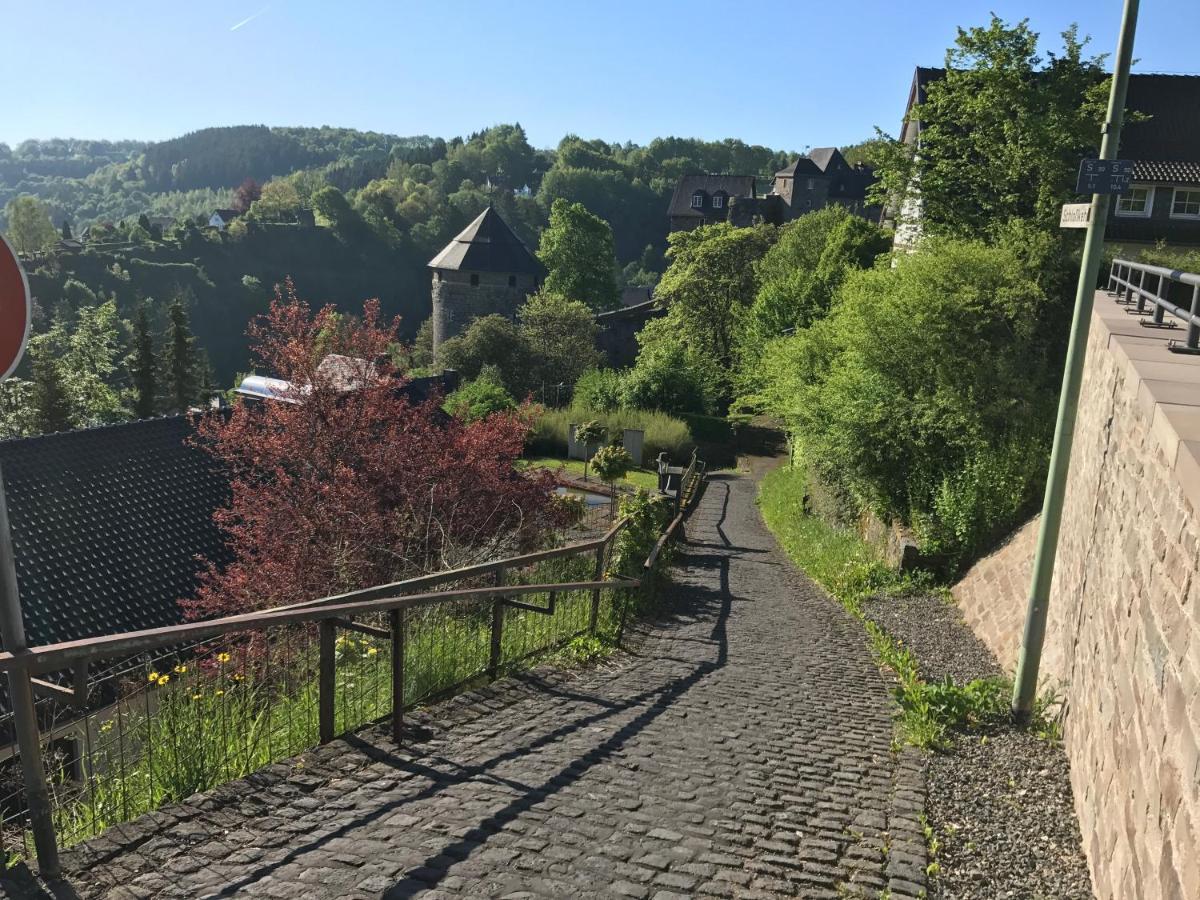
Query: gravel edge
x,y
998,803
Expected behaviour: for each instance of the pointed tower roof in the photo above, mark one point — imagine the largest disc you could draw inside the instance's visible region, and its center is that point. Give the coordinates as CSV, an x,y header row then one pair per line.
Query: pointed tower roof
x,y
487,245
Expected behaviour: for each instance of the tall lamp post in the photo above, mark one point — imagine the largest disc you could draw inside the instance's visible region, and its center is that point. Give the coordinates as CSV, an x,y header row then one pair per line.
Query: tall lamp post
x,y
1029,661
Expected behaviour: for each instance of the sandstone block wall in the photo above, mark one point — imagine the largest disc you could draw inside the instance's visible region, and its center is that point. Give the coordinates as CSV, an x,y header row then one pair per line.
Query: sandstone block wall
x,y
1123,639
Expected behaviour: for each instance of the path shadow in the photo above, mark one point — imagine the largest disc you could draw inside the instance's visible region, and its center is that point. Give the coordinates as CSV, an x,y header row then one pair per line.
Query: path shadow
x,y
696,600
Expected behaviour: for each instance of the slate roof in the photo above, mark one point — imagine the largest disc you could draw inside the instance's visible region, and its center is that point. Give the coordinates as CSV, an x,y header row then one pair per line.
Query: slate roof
x,y
488,245
107,524
804,167
732,185
1167,171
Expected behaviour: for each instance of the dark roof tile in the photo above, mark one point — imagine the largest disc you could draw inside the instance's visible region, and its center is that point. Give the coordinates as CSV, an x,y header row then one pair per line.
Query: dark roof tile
x,y
488,245
107,524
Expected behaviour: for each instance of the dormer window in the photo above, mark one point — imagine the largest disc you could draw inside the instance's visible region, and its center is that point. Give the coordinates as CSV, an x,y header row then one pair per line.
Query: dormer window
x,y
698,200
718,201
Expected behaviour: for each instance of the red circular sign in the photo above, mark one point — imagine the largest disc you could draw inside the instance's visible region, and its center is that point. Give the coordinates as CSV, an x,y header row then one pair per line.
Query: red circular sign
x,y
14,310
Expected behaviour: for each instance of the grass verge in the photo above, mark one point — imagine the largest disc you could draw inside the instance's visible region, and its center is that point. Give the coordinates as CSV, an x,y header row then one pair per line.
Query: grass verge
x,y
851,571
636,478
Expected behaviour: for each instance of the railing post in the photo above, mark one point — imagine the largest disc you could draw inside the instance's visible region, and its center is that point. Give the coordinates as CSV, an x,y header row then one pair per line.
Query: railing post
x,y
327,681
397,617
597,574
1161,293
1193,335
494,658
20,691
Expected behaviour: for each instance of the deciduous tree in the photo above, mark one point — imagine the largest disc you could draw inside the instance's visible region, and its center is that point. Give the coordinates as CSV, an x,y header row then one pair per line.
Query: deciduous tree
x,y
29,225
561,337
350,485
1001,134
577,249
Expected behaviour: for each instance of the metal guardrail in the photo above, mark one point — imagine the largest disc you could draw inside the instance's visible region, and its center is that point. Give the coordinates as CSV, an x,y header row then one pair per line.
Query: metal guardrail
x,y
121,724
690,480
1167,290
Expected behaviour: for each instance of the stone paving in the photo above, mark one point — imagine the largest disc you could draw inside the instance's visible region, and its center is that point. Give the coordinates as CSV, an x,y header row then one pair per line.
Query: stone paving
x,y
742,749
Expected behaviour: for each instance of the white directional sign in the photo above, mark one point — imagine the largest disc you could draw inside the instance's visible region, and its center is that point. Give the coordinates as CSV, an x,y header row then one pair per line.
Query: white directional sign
x,y
1076,215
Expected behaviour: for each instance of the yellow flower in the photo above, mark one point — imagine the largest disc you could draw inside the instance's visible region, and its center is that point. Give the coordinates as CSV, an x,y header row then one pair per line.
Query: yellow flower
x,y
154,676
238,676
220,692
372,651
222,657
195,696
163,679
179,670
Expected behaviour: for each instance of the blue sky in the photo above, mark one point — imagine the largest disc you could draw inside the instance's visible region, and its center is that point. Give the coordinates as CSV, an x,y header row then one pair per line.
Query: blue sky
x,y
787,75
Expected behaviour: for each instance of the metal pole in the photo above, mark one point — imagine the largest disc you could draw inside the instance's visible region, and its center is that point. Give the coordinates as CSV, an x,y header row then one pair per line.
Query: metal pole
x,y
1029,661
397,622
495,656
12,627
327,681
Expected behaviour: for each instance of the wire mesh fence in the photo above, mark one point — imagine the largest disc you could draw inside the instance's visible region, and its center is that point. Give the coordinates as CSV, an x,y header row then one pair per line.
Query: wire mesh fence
x,y
151,729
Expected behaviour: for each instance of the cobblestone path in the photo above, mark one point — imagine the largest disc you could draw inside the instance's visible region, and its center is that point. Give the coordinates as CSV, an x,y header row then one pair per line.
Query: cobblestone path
x,y
743,749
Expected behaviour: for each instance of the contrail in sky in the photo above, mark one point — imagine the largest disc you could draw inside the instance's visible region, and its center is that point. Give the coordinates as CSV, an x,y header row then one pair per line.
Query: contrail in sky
x,y
249,19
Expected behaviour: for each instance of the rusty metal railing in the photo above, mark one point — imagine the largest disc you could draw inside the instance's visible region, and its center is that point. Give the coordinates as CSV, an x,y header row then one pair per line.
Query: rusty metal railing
x,y
1167,291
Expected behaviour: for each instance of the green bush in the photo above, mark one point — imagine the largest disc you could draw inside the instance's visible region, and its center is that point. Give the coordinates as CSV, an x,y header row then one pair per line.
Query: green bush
x,y
664,433
599,390
480,398
668,375
926,394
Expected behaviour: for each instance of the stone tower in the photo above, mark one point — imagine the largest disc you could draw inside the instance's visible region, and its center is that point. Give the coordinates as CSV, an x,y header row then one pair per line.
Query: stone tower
x,y
485,270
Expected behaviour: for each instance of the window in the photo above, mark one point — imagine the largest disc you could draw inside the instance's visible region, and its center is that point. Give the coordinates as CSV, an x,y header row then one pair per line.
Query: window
x,y
1138,202
1186,203
512,280
437,275
812,183
474,279
698,200
718,201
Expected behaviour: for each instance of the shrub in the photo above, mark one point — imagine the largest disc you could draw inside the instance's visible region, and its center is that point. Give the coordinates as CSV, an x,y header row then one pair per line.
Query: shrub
x,y
664,433
925,394
612,463
668,375
599,390
479,399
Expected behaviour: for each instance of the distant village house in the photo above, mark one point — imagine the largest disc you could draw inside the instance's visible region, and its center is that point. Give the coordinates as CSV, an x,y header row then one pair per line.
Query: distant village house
x,y
823,178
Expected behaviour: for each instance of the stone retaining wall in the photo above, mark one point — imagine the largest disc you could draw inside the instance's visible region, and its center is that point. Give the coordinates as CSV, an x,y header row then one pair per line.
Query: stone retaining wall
x,y
1123,638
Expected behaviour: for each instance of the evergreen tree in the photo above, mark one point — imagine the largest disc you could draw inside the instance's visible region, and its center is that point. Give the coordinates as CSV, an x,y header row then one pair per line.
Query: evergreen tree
x,y
180,360
51,403
141,365
66,230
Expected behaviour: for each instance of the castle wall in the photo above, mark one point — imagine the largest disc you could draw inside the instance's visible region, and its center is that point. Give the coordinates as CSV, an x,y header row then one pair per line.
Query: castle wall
x,y
456,301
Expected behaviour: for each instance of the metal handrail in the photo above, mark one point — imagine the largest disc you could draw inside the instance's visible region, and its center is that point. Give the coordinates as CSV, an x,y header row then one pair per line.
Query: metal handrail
x,y
329,613
1121,282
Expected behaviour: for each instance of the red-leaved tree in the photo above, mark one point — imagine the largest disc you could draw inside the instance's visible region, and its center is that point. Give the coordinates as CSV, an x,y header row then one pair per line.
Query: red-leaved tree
x,y
344,483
